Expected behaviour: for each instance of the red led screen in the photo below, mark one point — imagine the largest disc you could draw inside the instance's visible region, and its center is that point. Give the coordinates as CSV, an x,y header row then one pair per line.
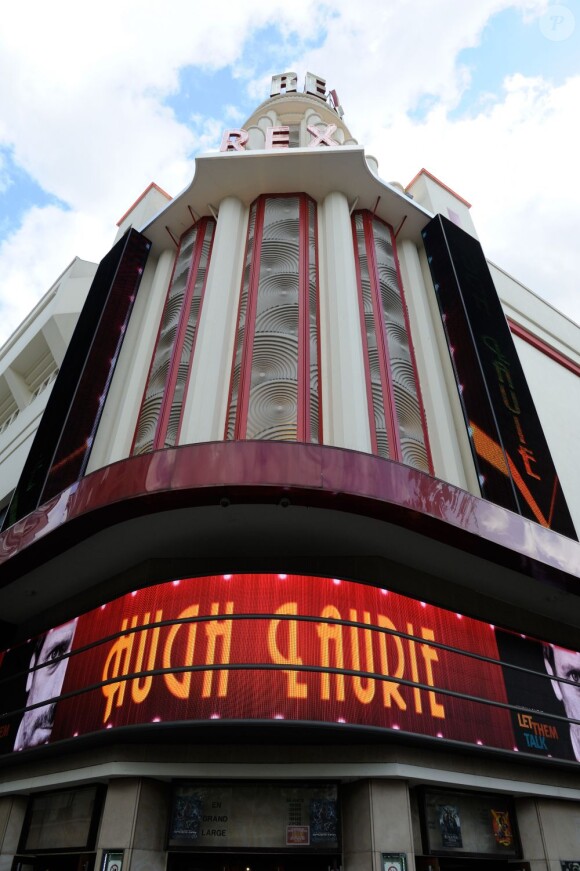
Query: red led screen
x,y
273,647
509,447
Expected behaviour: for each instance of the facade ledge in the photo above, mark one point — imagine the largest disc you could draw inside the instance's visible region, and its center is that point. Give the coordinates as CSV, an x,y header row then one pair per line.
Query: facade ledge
x,y
271,506
315,171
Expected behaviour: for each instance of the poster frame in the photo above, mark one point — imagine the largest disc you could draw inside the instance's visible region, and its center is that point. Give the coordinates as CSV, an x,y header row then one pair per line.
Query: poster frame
x,y
454,797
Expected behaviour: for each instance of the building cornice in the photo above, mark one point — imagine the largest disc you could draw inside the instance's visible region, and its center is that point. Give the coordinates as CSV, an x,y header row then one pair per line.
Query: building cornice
x,y
315,171
257,506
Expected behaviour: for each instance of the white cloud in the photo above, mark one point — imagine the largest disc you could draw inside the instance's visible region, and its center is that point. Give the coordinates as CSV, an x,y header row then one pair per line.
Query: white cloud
x,y
515,161
84,115
33,257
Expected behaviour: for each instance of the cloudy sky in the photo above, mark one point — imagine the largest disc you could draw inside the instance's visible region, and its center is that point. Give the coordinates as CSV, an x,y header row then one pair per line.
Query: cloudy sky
x,y
98,100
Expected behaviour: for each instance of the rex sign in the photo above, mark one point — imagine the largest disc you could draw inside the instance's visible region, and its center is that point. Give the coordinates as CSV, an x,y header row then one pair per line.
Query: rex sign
x,y
280,137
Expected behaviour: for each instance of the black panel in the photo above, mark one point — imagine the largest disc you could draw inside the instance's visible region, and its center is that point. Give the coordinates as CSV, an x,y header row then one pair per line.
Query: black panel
x,y
509,447
63,440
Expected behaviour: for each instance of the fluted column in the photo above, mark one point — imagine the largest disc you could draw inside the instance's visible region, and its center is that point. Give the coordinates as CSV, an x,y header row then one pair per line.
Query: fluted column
x,y
345,412
205,408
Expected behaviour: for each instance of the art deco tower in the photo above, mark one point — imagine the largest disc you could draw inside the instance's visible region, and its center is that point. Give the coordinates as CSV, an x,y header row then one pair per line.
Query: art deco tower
x,y
290,527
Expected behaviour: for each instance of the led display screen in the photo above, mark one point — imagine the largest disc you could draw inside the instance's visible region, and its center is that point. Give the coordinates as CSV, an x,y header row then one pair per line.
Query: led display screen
x,y
286,647
509,447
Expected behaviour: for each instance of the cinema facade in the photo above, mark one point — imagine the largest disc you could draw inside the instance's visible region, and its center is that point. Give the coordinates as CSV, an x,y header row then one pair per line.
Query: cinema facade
x,y
289,565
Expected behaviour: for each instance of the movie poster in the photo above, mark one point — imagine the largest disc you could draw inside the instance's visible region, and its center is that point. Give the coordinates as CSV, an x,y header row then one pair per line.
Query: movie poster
x,y
450,825
502,828
323,821
187,816
531,671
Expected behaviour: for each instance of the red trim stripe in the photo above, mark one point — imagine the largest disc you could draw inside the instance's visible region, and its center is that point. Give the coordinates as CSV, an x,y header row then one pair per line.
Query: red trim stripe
x,y
543,347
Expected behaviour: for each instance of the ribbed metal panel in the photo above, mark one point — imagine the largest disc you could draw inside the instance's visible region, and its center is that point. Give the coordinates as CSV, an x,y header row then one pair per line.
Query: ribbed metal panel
x,y
394,395
270,347
172,358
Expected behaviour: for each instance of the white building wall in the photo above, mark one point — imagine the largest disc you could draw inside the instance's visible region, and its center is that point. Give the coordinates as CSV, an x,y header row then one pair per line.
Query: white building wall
x,y
29,361
556,394
555,388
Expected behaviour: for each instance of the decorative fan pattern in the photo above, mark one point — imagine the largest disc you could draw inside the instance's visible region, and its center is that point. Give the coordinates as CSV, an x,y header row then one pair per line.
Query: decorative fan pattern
x,y
273,400
241,330
372,342
275,302
411,435
172,357
390,364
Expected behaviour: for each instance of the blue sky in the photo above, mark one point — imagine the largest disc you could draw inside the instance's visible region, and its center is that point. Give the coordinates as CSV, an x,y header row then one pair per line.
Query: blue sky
x,y
95,104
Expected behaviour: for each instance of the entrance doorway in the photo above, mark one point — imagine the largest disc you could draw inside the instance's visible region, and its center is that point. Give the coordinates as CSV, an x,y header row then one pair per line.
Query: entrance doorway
x,y
252,862
55,862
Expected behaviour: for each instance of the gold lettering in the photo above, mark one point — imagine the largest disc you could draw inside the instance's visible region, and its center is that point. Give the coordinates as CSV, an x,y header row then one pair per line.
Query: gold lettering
x,y
140,687
116,664
295,689
430,655
331,635
414,670
214,630
390,688
364,687
179,685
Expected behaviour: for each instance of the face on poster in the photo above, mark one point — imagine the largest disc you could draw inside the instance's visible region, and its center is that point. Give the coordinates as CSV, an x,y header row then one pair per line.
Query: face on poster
x,y
276,647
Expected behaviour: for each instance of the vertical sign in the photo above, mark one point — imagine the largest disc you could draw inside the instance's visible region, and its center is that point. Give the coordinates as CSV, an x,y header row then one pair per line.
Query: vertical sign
x,y
62,444
510,450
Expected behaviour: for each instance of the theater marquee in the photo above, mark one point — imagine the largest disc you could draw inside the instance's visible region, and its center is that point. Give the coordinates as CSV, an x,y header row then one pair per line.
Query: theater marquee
x,y
276,647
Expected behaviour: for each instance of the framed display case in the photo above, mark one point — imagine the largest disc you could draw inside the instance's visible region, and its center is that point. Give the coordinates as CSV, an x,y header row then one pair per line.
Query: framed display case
x,y
478,824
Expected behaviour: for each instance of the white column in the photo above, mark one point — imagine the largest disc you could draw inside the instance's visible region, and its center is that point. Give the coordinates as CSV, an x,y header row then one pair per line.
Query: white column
x,y
55,339
18,387
117,427
205,407
452,458
345,415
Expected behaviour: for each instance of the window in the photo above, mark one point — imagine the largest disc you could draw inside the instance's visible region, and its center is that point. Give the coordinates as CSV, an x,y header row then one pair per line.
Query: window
x,y
395,410
274,391
65,820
